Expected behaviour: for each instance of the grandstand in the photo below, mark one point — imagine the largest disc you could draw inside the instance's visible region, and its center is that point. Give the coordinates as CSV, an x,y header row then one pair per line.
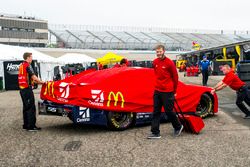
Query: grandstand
x,y
134,38
23,30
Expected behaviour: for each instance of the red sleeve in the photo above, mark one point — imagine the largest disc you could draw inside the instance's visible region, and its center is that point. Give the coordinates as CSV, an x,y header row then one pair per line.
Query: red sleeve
x,y
174,75
228,79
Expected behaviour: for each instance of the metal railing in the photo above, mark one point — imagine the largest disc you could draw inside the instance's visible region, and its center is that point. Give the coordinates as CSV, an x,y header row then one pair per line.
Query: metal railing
x,y
136,38
142,29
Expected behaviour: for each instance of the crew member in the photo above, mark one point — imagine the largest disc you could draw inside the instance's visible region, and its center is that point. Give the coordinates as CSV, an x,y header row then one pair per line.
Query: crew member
x,y
234,82
116,65
205,67
123,62
100,66
164,94
26,76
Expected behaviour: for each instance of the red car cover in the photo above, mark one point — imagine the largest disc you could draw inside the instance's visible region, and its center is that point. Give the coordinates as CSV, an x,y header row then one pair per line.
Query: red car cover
x,y
127,89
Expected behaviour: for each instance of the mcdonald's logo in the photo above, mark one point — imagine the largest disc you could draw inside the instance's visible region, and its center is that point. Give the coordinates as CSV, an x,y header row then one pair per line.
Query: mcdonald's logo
x,y
49,89
115,97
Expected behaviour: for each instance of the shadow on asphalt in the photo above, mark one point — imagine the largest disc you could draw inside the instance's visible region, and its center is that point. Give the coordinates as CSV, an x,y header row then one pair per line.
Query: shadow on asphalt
x,y
87,129
78,128
81,128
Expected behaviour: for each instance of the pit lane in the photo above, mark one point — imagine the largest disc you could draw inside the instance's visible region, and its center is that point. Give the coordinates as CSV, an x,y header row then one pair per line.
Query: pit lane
x,y
223,142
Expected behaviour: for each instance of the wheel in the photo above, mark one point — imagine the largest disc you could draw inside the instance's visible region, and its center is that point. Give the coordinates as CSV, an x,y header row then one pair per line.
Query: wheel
x,y
205,107
120,120
70,116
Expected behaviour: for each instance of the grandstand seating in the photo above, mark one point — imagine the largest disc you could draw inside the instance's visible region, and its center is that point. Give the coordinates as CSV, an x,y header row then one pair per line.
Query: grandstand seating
x,y
125,40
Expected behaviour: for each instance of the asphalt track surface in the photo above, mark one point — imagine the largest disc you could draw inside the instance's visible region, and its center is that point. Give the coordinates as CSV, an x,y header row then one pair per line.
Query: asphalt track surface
x,y
225,141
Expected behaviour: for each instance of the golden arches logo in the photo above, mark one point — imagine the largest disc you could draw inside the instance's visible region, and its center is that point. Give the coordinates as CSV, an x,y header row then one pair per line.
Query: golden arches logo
x,y
116,98
49,89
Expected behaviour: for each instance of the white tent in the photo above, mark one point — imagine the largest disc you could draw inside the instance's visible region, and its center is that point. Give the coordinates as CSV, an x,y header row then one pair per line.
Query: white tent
x,y
12,53
47,63
72,58
8,52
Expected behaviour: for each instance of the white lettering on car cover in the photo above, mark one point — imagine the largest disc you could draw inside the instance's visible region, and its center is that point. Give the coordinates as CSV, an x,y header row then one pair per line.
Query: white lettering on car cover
x,y
98,97
64,89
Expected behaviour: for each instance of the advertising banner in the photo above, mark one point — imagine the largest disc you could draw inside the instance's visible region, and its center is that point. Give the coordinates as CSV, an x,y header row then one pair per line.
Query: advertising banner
x,y
11,73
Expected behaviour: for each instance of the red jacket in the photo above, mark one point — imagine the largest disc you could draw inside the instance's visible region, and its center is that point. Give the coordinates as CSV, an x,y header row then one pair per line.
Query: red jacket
x,y
23,76
166,75
233,81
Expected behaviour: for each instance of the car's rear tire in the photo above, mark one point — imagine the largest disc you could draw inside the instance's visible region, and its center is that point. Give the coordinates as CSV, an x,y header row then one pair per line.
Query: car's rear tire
x,y
205,106
120,120
70,116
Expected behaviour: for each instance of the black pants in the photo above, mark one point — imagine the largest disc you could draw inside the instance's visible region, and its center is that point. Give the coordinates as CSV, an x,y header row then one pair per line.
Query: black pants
x,y
166,100
242,95
204,77
29,108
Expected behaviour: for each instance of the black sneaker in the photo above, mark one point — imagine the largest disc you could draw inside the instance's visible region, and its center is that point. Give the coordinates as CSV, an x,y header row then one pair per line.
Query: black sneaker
x,y
178,132
38,128
154,136
35,129
32,130
247,117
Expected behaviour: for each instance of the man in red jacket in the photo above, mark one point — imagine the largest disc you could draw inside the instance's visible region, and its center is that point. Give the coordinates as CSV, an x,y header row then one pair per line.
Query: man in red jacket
x,y
234,82
164,94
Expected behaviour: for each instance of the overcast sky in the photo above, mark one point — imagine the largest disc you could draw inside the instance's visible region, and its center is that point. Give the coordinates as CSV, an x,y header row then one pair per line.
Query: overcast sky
x,y
194,14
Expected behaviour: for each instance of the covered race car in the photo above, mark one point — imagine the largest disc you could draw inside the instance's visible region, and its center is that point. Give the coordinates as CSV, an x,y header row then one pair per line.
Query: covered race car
x,y
122,94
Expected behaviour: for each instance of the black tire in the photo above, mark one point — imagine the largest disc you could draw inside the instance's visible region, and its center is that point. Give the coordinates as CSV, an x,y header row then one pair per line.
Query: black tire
x,y
120,120
205,107
70,116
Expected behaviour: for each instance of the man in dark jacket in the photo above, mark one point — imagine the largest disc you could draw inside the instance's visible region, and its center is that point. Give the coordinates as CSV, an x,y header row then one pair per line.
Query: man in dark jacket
x,y
26,76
